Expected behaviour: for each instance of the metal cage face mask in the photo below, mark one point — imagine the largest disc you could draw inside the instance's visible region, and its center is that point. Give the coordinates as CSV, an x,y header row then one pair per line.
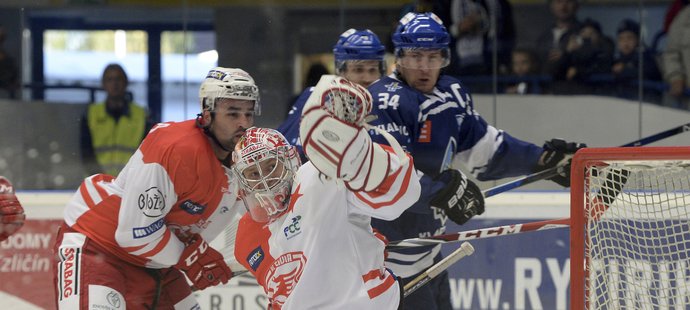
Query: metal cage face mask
x,y
265,166
266,185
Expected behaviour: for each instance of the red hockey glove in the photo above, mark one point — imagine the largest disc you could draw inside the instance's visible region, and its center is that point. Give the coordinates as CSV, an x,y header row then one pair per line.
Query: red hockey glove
x,y
203,265
11,211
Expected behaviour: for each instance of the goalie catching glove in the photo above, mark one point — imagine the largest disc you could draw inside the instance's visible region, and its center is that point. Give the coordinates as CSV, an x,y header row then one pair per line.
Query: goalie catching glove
x,y
460,199
335,139
558,153
203,265
11,212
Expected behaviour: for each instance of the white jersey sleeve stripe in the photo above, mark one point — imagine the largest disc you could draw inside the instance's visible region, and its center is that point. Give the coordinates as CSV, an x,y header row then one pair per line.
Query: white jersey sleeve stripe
x,y
92,196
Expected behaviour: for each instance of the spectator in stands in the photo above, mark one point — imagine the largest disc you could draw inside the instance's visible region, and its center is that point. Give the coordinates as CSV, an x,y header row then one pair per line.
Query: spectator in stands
x,y
676,59
550,45
9,71
112,130
474,36
525,69
626,69
588,55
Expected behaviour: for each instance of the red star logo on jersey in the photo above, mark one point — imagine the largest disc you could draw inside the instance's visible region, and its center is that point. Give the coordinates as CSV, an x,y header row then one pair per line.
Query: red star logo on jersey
x,y
293,198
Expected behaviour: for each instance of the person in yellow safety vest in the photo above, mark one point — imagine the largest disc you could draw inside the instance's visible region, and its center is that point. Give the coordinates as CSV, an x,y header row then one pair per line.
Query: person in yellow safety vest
x,y
112,130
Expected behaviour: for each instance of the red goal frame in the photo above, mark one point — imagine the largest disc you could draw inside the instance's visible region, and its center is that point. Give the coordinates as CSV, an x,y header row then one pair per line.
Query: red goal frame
x,y
592,157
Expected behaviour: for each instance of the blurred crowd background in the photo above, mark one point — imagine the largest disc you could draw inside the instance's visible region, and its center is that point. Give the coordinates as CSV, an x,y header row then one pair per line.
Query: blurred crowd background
x,y
603,72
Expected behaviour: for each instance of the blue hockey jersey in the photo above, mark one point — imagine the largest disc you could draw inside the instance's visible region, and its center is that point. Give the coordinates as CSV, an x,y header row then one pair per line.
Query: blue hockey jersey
x,y
435,128
290,127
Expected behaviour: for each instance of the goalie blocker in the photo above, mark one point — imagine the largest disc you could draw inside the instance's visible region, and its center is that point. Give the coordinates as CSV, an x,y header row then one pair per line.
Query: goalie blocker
x,y
335,136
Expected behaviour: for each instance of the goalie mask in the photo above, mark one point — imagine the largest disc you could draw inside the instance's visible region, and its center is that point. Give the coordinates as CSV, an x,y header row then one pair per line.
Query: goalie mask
x,y
358,46
228,83
265,165
419,32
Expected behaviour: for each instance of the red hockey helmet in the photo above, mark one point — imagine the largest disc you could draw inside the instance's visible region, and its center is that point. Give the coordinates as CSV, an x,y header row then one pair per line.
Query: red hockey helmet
x,y
265,164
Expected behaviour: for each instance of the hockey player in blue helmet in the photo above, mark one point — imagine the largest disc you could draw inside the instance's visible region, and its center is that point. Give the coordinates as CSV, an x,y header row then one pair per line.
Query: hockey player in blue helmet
x,y
432,117
359,57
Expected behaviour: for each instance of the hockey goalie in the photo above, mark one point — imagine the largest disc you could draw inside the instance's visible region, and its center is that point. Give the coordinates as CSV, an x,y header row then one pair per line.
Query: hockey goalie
x,y
307,235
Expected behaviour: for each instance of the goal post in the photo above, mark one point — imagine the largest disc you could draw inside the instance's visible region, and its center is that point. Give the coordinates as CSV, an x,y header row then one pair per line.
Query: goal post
x,y
630,228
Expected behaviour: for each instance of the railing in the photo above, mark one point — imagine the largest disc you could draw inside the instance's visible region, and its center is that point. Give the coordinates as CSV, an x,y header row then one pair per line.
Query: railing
x,y
538,83
92,90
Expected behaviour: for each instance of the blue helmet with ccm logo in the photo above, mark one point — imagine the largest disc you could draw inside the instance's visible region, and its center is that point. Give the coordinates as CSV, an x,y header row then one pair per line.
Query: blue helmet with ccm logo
x,y
421,30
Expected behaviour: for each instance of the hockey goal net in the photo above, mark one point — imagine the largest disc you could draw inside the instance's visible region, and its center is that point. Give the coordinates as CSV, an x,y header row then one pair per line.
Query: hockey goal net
x,y
630,228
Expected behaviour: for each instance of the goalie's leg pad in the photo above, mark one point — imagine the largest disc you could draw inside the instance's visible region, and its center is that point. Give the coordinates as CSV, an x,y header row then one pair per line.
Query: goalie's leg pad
x,y
343,151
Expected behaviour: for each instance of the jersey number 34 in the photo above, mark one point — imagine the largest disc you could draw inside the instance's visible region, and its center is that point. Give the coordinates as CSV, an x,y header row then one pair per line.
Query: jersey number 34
x,y
386,100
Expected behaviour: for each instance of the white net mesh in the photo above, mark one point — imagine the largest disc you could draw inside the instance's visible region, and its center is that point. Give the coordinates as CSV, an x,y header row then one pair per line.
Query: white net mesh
x,y
637,235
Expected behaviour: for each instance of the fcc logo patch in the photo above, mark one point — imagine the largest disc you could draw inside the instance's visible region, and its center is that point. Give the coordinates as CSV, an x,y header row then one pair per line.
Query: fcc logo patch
x,y
294,228
255,258
192,207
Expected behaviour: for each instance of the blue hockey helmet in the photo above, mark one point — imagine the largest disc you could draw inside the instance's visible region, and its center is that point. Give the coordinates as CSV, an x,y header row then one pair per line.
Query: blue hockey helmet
x,y
422,31
356,45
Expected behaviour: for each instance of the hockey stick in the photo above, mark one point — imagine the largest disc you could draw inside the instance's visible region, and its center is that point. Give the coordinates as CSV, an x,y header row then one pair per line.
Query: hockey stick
x,y
481,233
238,272
609,191
551,172
465,249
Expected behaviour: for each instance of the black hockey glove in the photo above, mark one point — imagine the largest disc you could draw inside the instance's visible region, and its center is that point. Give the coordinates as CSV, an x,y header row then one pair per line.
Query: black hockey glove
x,y
460,199
558,153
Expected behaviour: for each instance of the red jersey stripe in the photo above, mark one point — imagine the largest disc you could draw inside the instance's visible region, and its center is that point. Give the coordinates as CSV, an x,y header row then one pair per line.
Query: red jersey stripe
x,y
381,288
403,188
159,246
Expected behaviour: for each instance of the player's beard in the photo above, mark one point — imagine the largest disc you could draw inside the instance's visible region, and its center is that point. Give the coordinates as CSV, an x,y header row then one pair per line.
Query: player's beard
x,y
228,143
236,137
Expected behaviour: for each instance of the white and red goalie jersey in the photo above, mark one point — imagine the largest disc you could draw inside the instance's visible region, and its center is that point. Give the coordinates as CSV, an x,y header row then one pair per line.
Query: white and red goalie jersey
x,y
171,188
324,242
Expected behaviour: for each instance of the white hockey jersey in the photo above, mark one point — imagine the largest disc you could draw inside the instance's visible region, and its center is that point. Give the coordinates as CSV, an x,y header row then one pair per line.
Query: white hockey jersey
x,y
321,253
171,188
